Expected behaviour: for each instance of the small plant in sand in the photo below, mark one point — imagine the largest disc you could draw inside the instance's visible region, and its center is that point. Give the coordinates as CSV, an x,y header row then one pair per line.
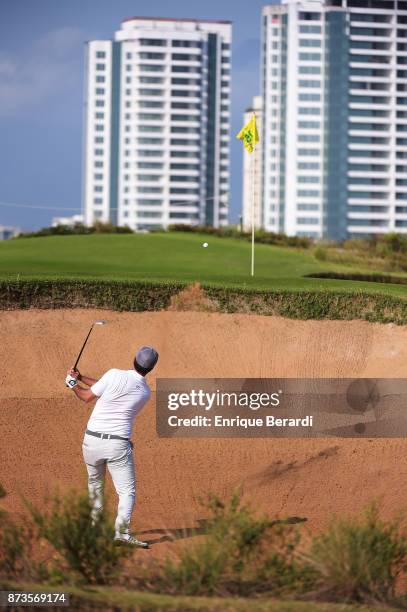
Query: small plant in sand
x,y
85,543
240,554
16,540
359,559
194,298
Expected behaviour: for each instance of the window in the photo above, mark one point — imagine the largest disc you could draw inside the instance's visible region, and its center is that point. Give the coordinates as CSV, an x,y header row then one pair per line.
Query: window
x,y
150,128
99,139
98,164
181,190
307,221
100,79
99,115
153,42
150,104
184,167
100,66
184,93
98,200
185,118
181,215
150,165
98,177
186,43
194,69
100,103
308,193
309,83
183,142
309,97
309,179
150,141
151,56
310,42
309,138
152,178
308,207
151,92
100,54
151,67
128,55
183,154
150,153
309,124
147,79
309,111
183,179
98,188
310,70
184,130
185,105
310,57
150,116
152,202
308,16
98,152
180,81
310,29
308,165
185,58
149,189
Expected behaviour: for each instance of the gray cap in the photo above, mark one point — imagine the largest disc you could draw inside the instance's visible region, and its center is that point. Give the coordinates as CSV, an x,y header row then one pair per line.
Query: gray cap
x,y
147,357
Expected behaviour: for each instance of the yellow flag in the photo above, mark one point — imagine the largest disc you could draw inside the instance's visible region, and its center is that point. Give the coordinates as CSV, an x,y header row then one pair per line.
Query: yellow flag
x,y
249,134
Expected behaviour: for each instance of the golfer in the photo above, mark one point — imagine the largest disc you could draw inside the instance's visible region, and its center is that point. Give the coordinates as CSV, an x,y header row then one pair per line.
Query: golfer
x,y
120,394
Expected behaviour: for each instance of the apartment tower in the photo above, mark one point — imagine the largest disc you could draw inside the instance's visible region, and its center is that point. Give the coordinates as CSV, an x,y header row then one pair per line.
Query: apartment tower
x,y
157,124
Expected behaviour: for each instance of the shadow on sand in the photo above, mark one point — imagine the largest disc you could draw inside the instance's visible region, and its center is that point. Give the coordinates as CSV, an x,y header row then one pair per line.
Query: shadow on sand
x,y
181,533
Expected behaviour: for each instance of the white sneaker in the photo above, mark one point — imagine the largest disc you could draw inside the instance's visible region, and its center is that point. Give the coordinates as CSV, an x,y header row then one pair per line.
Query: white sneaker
x,y
129,539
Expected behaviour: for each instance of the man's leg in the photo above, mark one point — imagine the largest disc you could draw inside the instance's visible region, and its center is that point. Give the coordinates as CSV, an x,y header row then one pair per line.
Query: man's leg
x,y
123,475
96,478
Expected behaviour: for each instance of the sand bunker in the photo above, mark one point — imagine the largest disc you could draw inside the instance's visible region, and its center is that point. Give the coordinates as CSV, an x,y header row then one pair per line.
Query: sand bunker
x,y
42,423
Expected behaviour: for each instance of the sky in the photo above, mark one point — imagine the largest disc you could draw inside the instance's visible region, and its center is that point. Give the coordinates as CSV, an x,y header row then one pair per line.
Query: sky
x,y
42,85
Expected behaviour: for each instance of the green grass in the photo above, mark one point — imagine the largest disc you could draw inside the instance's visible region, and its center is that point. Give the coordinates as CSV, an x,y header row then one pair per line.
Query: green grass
x,y
109,598
175,257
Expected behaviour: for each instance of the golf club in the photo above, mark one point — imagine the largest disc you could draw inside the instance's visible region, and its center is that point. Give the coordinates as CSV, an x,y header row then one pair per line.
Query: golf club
x,y
86,339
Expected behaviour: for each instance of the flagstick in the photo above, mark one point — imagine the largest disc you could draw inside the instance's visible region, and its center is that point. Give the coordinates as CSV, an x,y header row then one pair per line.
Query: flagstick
x,y
253,202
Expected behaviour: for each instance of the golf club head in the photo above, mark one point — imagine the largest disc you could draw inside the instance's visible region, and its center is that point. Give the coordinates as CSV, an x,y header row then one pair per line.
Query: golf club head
x,y
101,322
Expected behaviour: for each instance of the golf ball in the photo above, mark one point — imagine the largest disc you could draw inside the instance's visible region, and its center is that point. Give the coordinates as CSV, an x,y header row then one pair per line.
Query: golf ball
x,y
205,244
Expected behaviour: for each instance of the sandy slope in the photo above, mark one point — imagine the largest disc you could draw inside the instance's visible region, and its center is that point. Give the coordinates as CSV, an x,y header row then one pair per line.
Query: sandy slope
x,y
41,423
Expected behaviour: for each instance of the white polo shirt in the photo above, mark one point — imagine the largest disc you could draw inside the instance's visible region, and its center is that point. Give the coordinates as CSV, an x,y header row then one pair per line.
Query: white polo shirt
x,y
122,394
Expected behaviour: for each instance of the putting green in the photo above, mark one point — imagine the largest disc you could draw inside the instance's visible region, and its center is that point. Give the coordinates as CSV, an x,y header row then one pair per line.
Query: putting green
x,y
175,257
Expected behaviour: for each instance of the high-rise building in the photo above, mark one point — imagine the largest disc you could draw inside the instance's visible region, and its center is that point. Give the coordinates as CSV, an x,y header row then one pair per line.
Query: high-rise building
x,y
252,172
334,139
157,124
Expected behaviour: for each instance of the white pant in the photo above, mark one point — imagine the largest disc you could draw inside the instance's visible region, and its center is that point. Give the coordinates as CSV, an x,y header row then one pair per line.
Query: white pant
x,y
118,456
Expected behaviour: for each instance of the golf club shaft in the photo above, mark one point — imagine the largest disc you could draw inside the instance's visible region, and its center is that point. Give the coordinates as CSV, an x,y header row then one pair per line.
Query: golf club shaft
x,y
83,346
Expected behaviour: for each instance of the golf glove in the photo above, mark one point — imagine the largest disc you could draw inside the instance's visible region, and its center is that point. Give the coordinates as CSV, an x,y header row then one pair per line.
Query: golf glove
x,y
71,381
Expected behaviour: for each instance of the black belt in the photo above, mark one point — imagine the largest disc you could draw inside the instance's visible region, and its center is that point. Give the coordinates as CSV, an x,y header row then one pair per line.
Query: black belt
x,y
105,436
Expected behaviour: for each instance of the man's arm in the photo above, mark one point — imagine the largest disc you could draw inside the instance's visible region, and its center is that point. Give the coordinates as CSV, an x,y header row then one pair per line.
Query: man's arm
x,y
87,380
83,394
